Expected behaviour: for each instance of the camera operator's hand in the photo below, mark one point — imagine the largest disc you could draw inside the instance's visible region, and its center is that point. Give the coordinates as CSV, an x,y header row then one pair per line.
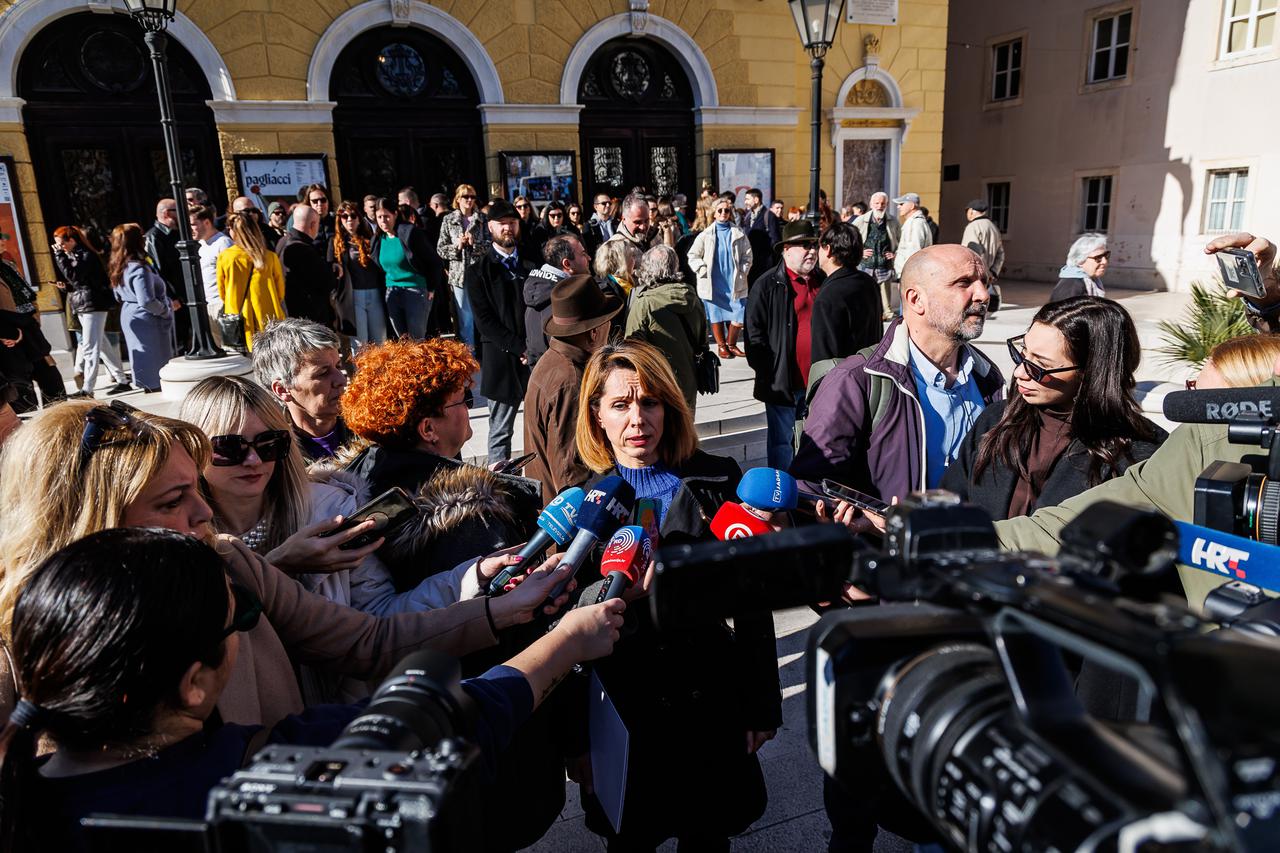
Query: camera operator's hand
x,y
1264,252
531,589
307,551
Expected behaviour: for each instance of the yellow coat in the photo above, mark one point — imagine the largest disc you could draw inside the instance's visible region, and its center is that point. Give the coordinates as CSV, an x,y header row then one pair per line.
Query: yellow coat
x,y
265,287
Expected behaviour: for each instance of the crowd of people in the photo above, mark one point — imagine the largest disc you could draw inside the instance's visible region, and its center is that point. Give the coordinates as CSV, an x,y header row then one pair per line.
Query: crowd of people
x,y
174,592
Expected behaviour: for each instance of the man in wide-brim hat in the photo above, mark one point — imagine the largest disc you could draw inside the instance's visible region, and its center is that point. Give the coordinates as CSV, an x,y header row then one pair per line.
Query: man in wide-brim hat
x,y
778,337
578,326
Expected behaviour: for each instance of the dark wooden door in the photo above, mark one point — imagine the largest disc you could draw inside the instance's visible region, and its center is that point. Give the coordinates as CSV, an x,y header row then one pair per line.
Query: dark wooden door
x,y
658,158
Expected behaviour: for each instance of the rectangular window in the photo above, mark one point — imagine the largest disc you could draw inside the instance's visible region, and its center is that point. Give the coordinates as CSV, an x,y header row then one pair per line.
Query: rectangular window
x,y
1096,215
1111,42
1247,25
1006,70
998,205
1225,192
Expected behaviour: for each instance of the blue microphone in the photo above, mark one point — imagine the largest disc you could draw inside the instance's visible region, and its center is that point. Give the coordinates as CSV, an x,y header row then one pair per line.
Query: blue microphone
x,y
768,489
556,524
604,509
1227,556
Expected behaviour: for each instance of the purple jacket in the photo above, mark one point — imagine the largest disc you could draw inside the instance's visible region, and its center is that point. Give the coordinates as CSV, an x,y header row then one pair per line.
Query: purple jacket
x,y
838,442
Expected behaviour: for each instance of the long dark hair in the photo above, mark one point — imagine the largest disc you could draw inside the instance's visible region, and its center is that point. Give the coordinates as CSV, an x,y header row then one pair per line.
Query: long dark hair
x,y
1105,417
102,633
126,245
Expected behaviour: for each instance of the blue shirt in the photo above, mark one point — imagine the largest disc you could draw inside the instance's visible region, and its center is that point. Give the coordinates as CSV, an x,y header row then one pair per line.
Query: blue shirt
x,y
949,411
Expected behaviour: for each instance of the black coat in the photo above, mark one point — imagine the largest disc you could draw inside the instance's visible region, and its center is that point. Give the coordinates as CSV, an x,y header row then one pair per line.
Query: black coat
x,y
1067,288
688,695
497,303
88,288
846,315
994,489
771,336
162,248
309,285
418,249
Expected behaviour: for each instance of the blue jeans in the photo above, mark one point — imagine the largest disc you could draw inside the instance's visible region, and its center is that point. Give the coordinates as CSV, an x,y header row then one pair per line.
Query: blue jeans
x,y
466,323
371,316
407,308
780,432
502,422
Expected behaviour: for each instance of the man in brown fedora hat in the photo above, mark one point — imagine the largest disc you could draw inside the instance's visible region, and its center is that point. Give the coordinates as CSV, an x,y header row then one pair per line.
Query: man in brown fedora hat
x,y
578,326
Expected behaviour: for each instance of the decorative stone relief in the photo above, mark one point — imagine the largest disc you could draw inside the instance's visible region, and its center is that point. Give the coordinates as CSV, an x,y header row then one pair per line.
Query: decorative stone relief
x,y
639,17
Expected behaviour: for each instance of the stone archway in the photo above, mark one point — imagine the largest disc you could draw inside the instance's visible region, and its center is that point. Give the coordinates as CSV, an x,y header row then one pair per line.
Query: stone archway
x,y
868,126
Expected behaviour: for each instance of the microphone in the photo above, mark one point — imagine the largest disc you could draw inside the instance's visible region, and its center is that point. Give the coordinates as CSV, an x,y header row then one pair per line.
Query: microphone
x,y
556,524
603,510
768,489
625,557
1227,556
732,521
1221,405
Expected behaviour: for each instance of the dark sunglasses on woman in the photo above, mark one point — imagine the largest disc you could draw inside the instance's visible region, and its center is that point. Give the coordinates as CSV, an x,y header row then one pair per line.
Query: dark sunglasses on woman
x,y
231,450
1034,371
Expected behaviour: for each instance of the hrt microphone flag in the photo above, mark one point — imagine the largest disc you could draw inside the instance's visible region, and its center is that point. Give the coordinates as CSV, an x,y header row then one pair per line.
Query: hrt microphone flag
x,y
1230,557
556,524
625,557
734,522
768,489
1221,405
605,506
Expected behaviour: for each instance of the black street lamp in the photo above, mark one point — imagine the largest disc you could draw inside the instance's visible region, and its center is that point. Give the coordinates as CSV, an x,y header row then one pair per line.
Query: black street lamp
x,y
816,20
154,17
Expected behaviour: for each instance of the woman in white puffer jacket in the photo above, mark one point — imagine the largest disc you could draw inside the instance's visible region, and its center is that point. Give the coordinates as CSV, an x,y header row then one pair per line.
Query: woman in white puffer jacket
x,y
720,257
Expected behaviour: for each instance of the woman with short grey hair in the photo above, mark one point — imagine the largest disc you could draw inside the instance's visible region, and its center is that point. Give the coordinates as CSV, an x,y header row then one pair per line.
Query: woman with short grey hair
x,y
665,311
1087,261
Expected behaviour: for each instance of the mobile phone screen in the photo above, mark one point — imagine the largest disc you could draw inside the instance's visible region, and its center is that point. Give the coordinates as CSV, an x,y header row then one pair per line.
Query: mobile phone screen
x,y
389,511
840,492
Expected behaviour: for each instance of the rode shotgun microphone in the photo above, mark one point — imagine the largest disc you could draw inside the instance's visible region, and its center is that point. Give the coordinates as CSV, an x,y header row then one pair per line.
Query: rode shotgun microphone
x,y
1221,405
625,558
732,521
603,510
768,489
556,524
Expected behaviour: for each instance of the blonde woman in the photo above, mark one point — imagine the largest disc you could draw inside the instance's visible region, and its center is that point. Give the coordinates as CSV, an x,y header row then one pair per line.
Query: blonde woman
x,y
1242,362
250,278
464,239
691,731
720,258
77,468
614,266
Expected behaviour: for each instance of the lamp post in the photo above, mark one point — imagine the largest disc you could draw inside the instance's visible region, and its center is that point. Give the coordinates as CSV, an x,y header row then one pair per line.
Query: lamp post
x,y
816,20
154,17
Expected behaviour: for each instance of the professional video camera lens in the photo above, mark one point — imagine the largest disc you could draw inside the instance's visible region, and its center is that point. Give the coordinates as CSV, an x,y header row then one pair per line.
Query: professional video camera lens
x,y
1261,508
417,706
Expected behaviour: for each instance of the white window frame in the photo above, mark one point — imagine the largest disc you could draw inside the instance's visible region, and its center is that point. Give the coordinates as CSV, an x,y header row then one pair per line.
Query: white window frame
x,y
1108,204
1251,37
1008,72
1111,49
1235,201
992,207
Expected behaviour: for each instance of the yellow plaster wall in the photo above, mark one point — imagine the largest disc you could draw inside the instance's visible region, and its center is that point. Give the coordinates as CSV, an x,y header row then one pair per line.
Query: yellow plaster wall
x,y
13,142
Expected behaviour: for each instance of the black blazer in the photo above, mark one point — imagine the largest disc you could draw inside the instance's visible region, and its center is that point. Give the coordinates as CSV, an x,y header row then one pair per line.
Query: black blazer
x,y
846,315
497,303
994,489
1066,288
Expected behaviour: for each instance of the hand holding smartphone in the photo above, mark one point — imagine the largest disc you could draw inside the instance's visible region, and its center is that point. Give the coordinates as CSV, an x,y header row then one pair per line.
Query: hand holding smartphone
x,y
389,511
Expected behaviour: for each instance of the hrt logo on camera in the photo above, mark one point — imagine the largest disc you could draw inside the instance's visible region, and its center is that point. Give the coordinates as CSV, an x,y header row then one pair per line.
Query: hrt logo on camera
x,y
1218,557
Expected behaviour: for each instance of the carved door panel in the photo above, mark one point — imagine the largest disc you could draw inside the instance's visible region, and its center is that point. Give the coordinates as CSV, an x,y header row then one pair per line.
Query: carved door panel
x,y
864,163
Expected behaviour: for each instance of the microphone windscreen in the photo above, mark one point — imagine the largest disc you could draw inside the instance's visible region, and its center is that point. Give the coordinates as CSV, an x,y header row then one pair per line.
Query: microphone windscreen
x,y
628,552
559,519
606,506
768,489
1221,405
734,522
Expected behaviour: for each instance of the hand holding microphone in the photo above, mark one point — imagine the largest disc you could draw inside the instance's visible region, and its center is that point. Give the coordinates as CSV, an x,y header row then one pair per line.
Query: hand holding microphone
x,y
604,508
556,525
625,560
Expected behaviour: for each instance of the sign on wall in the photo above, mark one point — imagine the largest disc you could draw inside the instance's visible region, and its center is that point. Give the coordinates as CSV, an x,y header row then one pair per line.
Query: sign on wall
x,y
274,178
883,12
540,176
739,170
13,227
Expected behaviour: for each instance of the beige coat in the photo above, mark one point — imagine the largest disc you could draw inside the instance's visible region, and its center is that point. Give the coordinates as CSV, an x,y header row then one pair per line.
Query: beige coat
x,y
702,257
983,237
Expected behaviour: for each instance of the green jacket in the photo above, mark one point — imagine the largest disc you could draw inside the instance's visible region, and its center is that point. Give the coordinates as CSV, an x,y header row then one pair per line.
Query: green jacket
x,y
670,316
1165,482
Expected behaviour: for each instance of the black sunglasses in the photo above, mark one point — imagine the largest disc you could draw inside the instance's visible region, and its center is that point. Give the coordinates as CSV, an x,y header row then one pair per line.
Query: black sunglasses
x,y
101,420
231,450
1034,371
468,400
245,617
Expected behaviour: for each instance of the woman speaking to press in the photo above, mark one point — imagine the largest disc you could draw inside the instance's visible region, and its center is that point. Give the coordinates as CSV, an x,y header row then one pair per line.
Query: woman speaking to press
x,y
1073,421
699,701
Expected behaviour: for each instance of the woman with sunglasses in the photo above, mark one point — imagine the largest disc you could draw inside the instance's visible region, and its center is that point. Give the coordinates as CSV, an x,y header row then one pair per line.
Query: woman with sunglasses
x,y
76,468
720,258
250,278
1087,261
551,223
353,251
1070,420
464,239
126,641
573,221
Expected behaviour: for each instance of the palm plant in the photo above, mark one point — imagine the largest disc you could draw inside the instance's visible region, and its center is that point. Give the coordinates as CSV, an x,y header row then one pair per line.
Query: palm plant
x,y
1213,317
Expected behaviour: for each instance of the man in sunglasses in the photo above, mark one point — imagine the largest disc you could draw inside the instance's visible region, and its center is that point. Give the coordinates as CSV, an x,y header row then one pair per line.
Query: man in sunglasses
x,y
889,420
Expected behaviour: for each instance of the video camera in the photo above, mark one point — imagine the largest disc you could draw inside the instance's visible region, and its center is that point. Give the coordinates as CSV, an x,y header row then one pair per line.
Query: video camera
x,y
962,697
401,776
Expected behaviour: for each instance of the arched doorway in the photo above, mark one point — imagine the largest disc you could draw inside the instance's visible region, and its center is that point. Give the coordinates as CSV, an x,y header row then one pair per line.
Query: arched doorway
x,y
637,120
93,123
407,113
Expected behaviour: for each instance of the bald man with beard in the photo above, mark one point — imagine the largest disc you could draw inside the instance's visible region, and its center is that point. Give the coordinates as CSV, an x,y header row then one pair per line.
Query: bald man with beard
x,y
865,421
